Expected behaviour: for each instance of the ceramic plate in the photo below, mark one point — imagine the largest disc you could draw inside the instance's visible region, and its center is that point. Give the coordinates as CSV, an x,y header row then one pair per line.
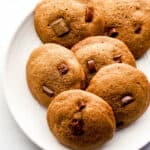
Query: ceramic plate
x,y
31,117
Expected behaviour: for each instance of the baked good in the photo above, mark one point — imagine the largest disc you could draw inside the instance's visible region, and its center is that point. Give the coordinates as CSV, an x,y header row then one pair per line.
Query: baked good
x,y
68,21
52,69
101,51
80,120
125,88
129,21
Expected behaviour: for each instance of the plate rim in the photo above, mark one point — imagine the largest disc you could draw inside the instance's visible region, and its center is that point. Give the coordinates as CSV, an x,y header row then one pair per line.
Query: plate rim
x,y
4,86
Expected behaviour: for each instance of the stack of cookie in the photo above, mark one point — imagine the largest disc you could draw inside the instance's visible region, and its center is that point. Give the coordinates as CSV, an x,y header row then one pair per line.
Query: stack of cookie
x,y
84,73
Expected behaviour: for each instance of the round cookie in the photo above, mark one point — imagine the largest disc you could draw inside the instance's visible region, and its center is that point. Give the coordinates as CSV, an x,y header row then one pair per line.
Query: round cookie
x,y
66,22
129,21
52,69
81,120
125,88
105,51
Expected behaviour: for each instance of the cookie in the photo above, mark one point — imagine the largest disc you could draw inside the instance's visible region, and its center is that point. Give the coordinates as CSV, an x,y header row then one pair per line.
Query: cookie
x,y
103,51
80,120
52,69
129,21
125,88
66,22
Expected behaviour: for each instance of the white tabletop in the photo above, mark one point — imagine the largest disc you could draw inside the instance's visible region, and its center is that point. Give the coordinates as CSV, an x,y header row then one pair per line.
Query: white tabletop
x,y
11,14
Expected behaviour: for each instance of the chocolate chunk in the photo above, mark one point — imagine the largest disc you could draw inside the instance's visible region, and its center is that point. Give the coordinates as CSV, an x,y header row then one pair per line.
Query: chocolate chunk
x,y
77,127
91,66
48,91
60,27
117,58
138,28
127,100
81,105
63,68
112,32
89,14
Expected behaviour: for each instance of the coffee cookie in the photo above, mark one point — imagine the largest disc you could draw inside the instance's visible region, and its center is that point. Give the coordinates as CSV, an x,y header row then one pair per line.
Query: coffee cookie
x,y
103,52
129,21
125,88
52,69
80,120
66,22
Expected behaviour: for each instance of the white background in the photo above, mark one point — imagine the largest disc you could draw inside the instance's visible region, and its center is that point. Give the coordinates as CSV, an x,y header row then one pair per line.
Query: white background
x,y
12,13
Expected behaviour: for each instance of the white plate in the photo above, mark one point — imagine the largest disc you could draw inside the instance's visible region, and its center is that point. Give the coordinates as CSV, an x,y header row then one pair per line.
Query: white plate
x,y
31,117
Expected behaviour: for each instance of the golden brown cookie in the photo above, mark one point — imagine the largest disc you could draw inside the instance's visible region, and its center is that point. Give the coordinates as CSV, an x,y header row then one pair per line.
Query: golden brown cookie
x,y
129,21
125,88
101,51
67,21
52,69
80,120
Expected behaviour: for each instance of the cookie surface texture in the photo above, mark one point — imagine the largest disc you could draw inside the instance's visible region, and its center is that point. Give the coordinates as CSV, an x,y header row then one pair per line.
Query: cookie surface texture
x,y
52,69
125,88
67,21
81,120
96,52
129,21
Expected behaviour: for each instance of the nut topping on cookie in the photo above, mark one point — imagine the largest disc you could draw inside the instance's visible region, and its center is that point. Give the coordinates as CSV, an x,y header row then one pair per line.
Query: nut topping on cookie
x,y
48,91
63,68
60,27
91,66
89,14
127,100
117,58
